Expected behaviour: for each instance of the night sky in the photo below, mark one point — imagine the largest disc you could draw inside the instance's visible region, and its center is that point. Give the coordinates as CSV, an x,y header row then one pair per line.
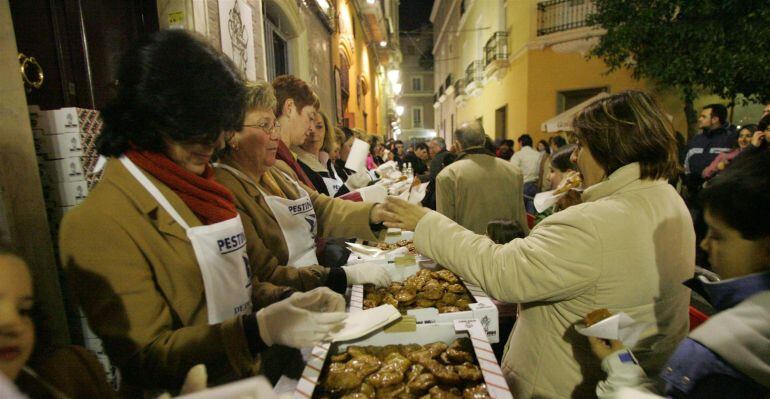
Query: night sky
x,y
414,13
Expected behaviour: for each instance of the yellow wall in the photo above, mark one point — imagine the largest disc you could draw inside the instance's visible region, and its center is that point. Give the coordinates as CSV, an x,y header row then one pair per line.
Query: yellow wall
x,y
361,64
536,74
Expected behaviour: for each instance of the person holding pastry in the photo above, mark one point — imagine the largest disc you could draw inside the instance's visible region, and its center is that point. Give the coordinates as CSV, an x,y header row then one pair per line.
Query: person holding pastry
x,y
626,247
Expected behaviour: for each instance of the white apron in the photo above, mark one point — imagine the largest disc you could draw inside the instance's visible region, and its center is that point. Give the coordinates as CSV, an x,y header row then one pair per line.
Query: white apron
x,y
333,182
220,250
296,218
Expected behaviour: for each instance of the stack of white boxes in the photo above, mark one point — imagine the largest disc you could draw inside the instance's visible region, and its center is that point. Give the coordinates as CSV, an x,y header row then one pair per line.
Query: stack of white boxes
x,y
59,147
59,137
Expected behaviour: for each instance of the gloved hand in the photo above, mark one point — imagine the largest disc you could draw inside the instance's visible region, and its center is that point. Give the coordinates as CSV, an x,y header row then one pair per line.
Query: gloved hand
x,y
303,319
358,180
367,273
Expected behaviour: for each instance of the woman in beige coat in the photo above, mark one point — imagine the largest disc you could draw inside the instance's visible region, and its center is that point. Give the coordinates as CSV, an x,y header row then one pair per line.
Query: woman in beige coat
x,y
156,255
627,247
282,216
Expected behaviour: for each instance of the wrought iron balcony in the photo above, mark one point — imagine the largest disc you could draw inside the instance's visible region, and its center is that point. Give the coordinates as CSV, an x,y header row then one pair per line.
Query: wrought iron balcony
x,y
450,88
496,48
459,86
562,15
474,72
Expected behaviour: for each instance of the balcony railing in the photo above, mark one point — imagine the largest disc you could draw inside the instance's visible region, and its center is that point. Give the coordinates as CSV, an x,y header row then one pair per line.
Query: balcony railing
x,y
496,47
459,85
562,15
474,72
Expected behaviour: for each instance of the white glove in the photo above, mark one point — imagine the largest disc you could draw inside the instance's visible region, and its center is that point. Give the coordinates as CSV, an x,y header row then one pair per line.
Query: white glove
x,y
367,273
302,320
358,180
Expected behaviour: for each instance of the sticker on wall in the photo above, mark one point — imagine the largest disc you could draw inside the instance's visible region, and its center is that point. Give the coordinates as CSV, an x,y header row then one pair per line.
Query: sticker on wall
x,y
176,20
237,32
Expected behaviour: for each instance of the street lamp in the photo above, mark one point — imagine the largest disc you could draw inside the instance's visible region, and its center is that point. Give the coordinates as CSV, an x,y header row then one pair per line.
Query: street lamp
x,y
383,43
397,88
393,75
399,110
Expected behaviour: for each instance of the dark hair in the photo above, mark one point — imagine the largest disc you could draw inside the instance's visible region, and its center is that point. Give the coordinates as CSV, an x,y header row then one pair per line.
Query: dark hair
x,y
718,110
503,231
398,142
525,140
507,142
174,84
561,161
750,127
423,146
347,132
558,141
545,144
745,181
629,127
373,141
291,87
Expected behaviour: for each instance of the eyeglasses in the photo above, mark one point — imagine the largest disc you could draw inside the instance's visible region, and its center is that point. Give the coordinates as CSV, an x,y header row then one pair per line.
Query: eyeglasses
x,y
266,127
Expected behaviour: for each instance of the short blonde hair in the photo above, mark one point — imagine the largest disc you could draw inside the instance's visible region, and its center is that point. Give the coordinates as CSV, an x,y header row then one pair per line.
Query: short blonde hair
x,y
260,95
625,128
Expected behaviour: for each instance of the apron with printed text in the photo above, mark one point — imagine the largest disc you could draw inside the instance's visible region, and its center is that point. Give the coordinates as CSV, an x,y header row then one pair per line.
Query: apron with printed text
x,y
220,250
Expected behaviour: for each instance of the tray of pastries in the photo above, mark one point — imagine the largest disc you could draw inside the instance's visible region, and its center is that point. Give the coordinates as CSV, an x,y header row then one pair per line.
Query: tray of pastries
x,y
441,289
405,371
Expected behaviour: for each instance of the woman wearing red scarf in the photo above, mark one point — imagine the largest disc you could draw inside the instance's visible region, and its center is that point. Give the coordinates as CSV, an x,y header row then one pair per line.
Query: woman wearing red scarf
x,y
156,256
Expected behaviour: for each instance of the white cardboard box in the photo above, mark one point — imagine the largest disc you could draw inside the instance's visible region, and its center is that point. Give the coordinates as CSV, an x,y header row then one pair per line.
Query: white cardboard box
x,y
63,170
67,194
60,146
58,121
483,310
424,334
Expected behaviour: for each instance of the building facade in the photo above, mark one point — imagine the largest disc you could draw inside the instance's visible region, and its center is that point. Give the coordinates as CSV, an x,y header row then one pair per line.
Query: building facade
x,y
417,83
513,65
334,45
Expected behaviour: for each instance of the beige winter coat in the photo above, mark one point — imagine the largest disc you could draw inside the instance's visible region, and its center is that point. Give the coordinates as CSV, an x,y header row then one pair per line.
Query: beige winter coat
x,y
628,248
478,188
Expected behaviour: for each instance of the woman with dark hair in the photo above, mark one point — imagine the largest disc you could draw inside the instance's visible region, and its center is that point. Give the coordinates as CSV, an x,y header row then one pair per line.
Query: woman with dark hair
x,y
376,149
723,159
561,168
632,231
156,255
505,150
543,147
729,355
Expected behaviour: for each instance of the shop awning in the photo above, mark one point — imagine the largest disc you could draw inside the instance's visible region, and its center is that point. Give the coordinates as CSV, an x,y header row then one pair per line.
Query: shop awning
x,y
563,121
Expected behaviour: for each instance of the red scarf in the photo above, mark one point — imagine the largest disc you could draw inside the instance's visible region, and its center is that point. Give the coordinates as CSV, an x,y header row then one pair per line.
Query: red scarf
x,y
284,154
209,200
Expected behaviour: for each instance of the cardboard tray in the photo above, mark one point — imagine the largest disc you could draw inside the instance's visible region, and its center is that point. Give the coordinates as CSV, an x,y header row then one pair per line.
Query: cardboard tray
x,y
483,310
424,334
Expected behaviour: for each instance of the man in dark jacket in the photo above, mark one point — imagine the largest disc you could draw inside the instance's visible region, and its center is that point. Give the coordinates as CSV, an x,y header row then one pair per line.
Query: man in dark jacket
x,y
438,152
717,137
418,159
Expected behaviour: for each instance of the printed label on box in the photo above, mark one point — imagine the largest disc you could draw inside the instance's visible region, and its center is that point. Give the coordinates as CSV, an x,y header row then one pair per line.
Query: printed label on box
x,y
59,146
64,170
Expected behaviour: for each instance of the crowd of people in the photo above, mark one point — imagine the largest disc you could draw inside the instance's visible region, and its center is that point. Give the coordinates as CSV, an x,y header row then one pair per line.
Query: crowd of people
x,y
212,249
